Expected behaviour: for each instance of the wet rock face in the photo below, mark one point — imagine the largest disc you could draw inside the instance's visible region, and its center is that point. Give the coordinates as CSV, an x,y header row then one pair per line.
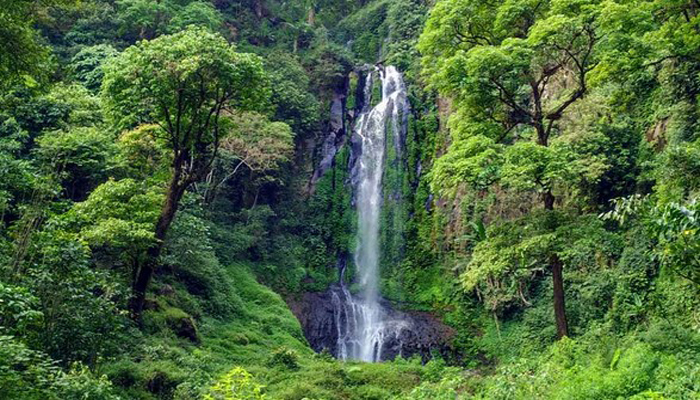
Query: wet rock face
x,y
334,139
419,333
338,131
315,313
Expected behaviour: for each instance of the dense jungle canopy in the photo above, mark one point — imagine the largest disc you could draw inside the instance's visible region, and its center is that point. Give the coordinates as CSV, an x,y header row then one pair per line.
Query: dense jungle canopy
x,y
199,199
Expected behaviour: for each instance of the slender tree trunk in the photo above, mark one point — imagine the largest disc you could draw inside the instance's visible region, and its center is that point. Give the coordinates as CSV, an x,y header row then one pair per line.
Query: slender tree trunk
x,y
311,16
549,200
259,8
557,281
559,304
555,263
172,199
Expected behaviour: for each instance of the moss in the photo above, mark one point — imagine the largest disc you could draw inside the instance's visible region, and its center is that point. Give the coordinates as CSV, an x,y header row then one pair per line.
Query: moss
x,y
351,101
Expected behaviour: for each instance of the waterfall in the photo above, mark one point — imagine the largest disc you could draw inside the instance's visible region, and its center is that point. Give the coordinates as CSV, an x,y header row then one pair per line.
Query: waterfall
x,y
363,324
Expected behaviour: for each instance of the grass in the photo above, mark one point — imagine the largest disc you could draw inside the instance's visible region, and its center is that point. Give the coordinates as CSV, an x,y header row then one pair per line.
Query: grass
x,y
264,338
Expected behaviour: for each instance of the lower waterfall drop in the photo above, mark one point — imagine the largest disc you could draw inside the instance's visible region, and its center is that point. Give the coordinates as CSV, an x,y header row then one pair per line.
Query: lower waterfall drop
x,y
363,325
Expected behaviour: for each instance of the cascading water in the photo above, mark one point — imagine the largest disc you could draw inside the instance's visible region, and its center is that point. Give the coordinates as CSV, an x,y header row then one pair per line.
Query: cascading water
x,y
362,322
362,325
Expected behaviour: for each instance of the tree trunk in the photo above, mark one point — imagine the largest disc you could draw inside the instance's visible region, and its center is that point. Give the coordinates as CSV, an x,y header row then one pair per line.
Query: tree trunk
x,y
167,214
549,200
259,8
311,16
557,281
559,305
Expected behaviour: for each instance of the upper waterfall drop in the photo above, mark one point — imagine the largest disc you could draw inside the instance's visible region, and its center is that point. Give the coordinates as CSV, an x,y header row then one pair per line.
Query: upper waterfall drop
x,y
372,127
366,326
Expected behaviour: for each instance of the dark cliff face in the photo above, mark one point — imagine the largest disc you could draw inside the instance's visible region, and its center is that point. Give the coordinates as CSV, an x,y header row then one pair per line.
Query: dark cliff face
x,y
424,334
335,137
338,130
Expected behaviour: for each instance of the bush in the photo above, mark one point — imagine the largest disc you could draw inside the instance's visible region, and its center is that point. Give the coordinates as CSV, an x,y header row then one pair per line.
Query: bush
x,y
80,383
284,357
31,375
237,384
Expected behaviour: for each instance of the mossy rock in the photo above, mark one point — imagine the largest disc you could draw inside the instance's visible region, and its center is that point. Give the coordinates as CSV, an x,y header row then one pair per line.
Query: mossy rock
x,y
162,383
174,319
182,324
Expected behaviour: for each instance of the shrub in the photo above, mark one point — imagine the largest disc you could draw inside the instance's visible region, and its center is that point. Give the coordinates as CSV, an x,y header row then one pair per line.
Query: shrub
x,y
284,357
237,384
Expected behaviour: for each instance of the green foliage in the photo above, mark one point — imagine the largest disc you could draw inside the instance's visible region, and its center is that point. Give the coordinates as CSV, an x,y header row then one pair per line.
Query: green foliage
x,y
16,178
119,214
21,54
257,143
195,264
143,153
673,226
146,19
78,157
193,66
81,317
678,172
18,310
28,374
634,370
292,101
87,65
447,388
82,107
366,29
63,107
584,100
80,382
197,13
329,66
236,384
285,358
473,161
23,370
503,264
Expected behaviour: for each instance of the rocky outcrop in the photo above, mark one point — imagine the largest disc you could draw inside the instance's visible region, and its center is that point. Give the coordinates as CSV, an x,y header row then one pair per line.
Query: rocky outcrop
x,y
335,138
338,130
422,334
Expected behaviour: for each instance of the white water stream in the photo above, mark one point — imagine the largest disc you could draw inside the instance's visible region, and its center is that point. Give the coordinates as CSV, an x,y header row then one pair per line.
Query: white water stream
x,y
362,323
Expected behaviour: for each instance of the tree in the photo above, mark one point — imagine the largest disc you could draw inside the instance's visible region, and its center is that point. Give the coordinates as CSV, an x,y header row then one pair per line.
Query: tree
x,y
118,218
513,76
152,18
87,65
292,101
198,13
255,143
674,226
149,18
77,158
187,83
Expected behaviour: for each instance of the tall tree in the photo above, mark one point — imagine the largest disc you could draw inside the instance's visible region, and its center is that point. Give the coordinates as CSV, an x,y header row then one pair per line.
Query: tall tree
x,y
513,76
187,83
